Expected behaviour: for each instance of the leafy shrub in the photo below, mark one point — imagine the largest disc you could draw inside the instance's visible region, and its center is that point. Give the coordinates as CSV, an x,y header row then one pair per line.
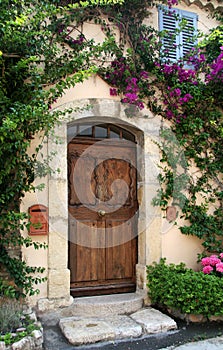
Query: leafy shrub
x,y
10,315
178,287
11,318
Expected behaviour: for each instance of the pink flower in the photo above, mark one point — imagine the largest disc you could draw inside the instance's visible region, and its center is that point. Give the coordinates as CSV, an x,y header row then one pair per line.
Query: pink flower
x,y
213,263
172,2
219,267
140,104
134,81
186,98
177,92
169,114
205,261
144,74
216,69
131,97
214,260
207,269
113,92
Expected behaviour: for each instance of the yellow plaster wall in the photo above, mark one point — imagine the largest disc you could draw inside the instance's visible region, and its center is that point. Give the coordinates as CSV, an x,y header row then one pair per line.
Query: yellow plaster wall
x,y
174,246
94,87
30,255
177,247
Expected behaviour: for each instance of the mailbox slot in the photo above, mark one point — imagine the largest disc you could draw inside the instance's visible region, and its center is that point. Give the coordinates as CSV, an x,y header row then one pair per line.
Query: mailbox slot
x,y
38,220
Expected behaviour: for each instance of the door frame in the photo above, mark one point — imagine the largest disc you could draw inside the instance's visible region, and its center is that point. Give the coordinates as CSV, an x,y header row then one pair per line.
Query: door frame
x,y
149,239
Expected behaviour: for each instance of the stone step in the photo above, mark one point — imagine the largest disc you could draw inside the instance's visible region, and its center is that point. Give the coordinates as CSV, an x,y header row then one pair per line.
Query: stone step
x,y
89,330
114,304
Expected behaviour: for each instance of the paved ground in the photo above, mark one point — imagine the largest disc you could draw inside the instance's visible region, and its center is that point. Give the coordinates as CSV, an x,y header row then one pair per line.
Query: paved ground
x,y
53,340
96,324
211,344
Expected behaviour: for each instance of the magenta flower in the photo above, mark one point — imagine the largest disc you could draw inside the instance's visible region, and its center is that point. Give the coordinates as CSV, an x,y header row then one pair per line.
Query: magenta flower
x,y
177,91
207,269
186,98
113,92
205,261
216,73
169,114
131,97
214,260
219,267
140,104
134,81
213,264
172,2
144,74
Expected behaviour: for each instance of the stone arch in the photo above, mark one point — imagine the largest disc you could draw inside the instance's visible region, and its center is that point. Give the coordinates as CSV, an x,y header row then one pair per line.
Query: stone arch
x,y
145,126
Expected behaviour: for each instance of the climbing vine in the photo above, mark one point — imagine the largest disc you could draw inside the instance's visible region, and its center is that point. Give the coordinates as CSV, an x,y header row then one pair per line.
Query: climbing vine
x,y
190,99
45,46
36,51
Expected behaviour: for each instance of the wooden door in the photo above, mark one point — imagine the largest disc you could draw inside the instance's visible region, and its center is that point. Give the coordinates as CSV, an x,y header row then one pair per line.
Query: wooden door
x,y
102,216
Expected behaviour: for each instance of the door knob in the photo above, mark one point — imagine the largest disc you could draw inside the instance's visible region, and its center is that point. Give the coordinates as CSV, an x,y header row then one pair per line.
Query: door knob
x,y
101,213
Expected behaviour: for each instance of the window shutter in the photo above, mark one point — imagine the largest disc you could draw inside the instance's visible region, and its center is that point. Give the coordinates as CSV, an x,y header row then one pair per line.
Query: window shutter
x,y
168,23
187,34
179,44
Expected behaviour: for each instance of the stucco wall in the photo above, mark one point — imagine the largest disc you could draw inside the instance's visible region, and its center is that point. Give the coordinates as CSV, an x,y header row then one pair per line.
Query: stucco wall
x,y
157,237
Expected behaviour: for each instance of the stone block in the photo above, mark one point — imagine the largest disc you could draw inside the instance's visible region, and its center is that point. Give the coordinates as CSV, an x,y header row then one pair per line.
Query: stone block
x,y
86,331
58,283
153,240
58,249
152,169
153,321
58,198
124,327
26,343
115,304
38,337
2,345
52,304
141,276
59,130
150,146
33,317
58,163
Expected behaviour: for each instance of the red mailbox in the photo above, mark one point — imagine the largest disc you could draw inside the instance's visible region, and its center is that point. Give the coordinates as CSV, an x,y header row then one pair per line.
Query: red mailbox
x,y
38,220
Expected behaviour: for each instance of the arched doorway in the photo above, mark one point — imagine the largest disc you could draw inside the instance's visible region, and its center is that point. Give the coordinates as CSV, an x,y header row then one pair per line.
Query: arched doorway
x,y
103,209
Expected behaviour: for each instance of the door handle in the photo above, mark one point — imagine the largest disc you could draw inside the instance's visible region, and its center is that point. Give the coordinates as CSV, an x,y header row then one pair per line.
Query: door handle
x,y
101,213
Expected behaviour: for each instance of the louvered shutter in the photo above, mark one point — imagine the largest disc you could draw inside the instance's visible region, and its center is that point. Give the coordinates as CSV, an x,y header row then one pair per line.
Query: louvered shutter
x,y
177,45
168,23
188,33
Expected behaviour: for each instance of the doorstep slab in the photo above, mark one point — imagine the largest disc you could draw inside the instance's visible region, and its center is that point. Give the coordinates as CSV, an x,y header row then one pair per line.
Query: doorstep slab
x,y
153,321
86,331
79,331
103,305
124,327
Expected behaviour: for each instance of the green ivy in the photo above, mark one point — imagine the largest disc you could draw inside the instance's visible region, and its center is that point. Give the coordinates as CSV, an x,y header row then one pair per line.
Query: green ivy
x,y
36,53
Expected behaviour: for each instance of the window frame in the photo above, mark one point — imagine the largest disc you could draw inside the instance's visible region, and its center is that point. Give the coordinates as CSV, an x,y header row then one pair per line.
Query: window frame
x,y
181,47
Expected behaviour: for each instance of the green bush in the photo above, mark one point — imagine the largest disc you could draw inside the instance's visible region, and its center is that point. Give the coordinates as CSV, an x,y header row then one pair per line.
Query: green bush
x,y
190,292
12,317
